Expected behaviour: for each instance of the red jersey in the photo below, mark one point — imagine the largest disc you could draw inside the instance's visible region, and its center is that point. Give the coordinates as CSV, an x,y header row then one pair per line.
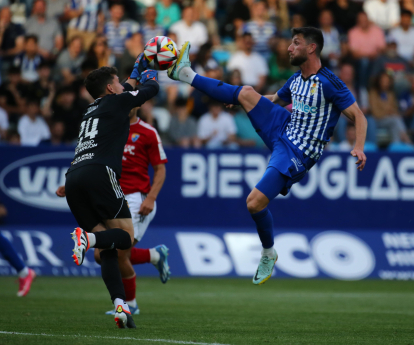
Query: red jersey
x,y
143,148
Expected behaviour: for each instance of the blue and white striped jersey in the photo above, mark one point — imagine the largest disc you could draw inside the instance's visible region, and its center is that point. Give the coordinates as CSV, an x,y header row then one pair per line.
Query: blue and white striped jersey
x,y
317,103
261,35
117,35
88,20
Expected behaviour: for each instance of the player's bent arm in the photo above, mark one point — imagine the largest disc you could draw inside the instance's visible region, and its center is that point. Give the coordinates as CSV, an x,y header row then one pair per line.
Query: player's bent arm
x,y
132,82
158,181
135,99
275,99
355,115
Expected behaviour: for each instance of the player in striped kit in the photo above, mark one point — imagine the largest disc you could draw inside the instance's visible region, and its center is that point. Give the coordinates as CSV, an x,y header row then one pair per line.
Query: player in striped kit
x,y
296,139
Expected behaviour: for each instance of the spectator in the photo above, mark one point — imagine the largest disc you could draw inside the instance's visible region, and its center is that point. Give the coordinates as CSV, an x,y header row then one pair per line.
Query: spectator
x,y
41,88
253,67
183,128
46,29
312,9
279,64
238,15
204,12
217,128
57,131
151,29
204,59
68,65
13,137
86,20
384,108
348,144
345,13
260,29
117,31
347,75
392,63
4,123
134,46
332,45
366,41
403,35
11,35
56,8
168,12
69,110
100,53
29,60
246,134
278,13
384,13
188,29
32,127
12,94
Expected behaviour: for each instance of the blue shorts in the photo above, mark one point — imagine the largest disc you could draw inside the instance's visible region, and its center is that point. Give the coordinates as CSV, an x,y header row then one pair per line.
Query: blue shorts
x,y
270,121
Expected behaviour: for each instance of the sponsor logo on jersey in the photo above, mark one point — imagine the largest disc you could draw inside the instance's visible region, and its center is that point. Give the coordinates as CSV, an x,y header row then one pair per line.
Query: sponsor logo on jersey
x,y
306,108
134,93
134,137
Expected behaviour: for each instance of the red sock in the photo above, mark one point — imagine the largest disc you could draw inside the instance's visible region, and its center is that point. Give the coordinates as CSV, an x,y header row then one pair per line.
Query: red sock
x,y
140,256
130,285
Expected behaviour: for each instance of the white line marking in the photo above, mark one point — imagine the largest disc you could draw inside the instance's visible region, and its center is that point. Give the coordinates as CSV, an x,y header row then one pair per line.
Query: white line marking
x,y
117,338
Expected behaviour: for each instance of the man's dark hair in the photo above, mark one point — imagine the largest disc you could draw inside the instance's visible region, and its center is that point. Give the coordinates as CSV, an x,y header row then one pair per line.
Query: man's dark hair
x,y
311,35
31,37
405,12
97,80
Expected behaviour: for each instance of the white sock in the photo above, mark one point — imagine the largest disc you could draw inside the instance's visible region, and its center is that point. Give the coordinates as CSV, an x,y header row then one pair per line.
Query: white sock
x,y
24,272
122,303
154,256
132,303
187,75
91,239
269,252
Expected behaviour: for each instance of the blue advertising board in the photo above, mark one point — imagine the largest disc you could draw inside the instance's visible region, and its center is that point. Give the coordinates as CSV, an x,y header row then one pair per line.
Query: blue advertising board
x,y
336,223
345,255
209,188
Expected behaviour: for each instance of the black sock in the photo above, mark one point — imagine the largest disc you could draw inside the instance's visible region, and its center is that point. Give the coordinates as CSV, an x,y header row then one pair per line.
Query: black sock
x,y
112,238
111,274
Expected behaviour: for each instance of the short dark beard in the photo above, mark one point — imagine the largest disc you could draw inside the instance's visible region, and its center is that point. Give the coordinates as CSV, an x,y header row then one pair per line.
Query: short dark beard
x,y
299,60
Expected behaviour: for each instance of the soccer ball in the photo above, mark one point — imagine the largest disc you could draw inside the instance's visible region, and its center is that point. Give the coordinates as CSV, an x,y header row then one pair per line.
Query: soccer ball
x,y
161,52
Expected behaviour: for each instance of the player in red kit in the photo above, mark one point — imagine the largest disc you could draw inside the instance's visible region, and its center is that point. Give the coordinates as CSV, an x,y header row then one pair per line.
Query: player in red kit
x,y
143,148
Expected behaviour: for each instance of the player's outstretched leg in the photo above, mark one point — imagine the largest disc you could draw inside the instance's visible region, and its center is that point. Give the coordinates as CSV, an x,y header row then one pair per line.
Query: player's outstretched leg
x,y
267,189
216,89
26,275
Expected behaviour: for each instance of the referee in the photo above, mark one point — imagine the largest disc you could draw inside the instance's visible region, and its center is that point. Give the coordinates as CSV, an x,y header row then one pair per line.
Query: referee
x,y
92,187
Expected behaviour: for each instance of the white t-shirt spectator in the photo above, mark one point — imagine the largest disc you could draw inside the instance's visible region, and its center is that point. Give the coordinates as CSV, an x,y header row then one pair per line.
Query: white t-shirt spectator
x,y
250,66
385,14
4,121
32,132
405,42
223,126
196,34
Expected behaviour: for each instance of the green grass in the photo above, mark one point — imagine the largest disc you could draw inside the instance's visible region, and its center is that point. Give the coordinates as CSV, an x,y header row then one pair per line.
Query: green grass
x,y
225,311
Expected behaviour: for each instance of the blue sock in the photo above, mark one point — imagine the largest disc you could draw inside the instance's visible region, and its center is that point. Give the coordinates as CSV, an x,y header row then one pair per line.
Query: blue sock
x,y
10,254
264,226
218,90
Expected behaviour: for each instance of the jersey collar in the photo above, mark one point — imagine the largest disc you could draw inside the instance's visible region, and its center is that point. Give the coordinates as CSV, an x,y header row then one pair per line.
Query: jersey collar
x,y
306,79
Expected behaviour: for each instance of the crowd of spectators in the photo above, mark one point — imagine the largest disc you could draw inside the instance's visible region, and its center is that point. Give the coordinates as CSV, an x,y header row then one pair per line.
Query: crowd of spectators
x,y
47,47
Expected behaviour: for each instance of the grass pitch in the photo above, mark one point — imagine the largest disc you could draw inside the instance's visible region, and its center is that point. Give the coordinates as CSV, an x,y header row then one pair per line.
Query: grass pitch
x,y
206,311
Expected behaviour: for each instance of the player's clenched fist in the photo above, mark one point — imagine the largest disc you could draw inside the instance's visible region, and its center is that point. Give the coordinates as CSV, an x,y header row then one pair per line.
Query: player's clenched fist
x,y
147,206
